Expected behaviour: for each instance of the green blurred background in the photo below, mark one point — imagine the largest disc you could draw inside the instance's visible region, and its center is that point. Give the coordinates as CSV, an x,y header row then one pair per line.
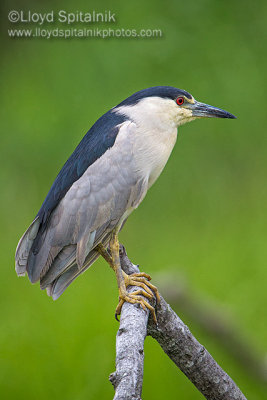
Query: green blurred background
x,y
205,217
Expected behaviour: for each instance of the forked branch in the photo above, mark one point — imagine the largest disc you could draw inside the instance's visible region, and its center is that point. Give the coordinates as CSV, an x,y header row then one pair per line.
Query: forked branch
x,y
177,342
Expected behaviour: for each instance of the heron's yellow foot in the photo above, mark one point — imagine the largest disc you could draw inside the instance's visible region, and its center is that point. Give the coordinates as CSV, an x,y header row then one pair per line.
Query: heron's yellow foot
x,y
145,278
140,279
146,290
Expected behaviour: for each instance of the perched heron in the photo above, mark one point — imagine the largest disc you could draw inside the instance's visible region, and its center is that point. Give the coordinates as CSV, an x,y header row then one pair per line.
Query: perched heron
x,y
104,180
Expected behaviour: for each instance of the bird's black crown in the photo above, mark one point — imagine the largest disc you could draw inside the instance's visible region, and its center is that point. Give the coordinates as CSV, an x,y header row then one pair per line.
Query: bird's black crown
x,y
168,92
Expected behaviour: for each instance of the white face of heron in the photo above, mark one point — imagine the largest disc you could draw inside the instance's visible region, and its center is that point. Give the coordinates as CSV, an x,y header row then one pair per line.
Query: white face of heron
x,y
161,112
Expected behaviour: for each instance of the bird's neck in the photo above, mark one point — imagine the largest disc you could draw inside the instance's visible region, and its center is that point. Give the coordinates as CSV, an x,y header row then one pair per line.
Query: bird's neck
x,y
155,135
152,150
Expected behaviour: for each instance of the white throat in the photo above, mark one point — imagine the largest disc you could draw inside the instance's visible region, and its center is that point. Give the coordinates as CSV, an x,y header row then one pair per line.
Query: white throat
x,y
155,134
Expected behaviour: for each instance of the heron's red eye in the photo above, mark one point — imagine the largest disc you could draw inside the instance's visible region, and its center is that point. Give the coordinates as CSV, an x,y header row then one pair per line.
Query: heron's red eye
x,y
180,101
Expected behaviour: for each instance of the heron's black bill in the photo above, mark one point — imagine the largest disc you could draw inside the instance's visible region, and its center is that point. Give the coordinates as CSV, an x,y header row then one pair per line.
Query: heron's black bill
x,y
205,110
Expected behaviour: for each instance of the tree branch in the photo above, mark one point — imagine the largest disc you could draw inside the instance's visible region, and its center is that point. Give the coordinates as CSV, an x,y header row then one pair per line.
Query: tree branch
x,y
177,342
191,357
213,320
128,378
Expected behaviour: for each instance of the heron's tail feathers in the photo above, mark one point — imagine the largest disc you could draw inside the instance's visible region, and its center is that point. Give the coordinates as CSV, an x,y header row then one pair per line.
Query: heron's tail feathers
x,y
24,247
56,266
64,260
60,284
56,284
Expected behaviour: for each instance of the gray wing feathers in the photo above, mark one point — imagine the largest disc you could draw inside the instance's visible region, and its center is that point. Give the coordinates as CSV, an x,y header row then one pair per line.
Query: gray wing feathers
x,y
83,248
64,260
108,190
24,247
59,285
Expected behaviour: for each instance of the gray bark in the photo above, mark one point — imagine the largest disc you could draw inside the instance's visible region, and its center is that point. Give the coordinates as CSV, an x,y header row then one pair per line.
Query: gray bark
x,y
191,357
213,319
177,342
128,378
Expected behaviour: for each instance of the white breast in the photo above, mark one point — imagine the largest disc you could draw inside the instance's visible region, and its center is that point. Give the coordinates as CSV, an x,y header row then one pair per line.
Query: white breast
x,y
154,137
152,151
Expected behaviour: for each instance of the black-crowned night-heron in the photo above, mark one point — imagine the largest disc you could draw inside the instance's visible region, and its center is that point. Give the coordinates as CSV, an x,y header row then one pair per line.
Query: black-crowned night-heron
x,y
103,181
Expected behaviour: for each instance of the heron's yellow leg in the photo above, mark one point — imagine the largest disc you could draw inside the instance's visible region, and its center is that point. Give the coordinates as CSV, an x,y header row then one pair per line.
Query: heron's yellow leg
x,y
140,279
105,254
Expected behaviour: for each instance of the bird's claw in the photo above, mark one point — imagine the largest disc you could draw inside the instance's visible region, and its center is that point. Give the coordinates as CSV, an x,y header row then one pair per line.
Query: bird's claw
x,y
116,317
146,290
